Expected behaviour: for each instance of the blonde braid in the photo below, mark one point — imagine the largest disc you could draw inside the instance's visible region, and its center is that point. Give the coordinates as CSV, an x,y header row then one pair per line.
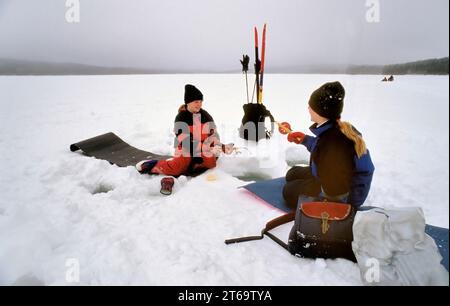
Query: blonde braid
x,y
347,129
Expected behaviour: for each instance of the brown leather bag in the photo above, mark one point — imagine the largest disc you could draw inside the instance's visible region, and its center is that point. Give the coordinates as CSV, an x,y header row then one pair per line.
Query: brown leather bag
x,y
323,229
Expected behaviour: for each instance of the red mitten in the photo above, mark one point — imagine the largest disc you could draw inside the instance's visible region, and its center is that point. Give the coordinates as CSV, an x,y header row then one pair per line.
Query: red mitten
x,y
296,137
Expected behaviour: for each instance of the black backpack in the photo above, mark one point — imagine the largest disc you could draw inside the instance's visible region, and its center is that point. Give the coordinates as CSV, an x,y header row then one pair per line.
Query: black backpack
x,y
253,123
320,230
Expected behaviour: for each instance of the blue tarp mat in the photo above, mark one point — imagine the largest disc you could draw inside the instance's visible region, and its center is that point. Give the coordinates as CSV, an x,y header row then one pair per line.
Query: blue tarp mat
x,y
270,191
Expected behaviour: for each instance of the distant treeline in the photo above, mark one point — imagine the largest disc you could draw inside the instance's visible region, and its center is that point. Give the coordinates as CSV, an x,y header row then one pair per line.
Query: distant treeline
x,y
437,66
23,67
431,66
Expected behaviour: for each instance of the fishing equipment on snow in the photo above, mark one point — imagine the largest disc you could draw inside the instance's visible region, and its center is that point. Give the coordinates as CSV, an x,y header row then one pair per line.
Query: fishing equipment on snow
x,y
245,61
320,230
167,185
256,115
285,129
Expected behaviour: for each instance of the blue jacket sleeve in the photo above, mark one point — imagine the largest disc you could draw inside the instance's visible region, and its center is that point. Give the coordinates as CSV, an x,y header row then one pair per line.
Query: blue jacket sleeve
x,y
308,142
361,180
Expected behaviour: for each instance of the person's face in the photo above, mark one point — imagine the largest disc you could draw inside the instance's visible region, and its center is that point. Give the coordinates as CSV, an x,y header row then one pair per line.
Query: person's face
x,y
194,106
316,117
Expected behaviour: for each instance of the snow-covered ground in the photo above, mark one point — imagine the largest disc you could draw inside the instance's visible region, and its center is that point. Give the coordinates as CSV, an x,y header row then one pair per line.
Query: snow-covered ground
x,y
62,212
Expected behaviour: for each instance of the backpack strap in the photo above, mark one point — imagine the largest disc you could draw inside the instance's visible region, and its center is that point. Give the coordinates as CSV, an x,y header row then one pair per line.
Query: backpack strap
x,y
272,124
283,219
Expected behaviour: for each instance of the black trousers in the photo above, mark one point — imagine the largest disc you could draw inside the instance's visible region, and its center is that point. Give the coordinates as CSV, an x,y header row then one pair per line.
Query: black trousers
x,y
299,181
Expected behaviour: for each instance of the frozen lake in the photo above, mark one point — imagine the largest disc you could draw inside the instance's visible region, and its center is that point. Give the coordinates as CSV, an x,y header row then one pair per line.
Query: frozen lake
x,y
50,211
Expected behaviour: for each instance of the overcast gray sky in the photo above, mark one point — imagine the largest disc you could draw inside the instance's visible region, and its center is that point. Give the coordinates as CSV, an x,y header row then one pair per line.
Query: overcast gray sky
x,y
213,34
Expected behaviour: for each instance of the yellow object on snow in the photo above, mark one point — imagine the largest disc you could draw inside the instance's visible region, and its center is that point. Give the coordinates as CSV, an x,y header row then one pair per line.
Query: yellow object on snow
x,y
211,177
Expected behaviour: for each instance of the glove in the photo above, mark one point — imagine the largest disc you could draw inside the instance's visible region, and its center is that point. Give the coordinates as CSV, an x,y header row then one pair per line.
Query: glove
x,y
296,137
245,60
216,150
228,148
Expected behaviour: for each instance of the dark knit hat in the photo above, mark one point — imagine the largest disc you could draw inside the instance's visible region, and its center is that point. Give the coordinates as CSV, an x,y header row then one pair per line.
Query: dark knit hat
x,y
328,100
191,93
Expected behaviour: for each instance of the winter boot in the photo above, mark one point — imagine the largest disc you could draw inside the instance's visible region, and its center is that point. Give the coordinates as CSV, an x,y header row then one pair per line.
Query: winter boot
x,y
167,185
145,166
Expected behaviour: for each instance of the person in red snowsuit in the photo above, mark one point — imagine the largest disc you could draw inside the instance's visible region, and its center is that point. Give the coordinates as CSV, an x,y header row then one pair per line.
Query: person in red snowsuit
x,y
197,143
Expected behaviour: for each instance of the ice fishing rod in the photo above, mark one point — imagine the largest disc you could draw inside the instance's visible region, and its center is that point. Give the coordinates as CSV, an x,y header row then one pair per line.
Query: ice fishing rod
x,y
285,128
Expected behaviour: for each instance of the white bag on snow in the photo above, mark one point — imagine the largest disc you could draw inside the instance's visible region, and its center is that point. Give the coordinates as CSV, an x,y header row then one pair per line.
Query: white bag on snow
x,y
392,248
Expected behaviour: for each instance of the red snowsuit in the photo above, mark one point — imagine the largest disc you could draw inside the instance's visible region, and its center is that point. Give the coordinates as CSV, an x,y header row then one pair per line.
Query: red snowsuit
x,y
195,136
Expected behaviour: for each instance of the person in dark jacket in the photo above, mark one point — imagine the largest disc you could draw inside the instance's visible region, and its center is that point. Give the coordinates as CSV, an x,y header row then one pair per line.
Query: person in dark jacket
x,y
197,143
340,167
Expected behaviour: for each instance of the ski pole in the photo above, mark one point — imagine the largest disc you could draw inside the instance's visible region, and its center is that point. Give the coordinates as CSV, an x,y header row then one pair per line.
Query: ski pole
x,y
245,60
253,93
246,86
